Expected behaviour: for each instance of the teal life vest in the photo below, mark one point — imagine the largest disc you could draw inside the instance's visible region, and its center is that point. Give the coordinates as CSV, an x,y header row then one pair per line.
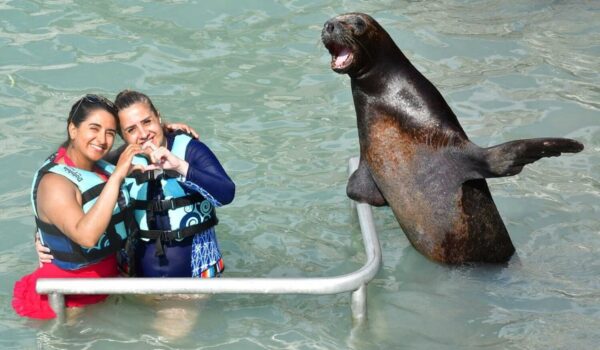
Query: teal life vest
x,y
68,254
189,212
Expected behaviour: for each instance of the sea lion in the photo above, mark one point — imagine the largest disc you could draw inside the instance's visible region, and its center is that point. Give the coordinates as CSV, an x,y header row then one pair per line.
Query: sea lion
x,y
415,156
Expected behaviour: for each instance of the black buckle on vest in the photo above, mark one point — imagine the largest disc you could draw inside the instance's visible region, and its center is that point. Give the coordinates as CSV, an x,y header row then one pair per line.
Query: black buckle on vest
x,y
163,205
155,173
169,235
160,172
141,177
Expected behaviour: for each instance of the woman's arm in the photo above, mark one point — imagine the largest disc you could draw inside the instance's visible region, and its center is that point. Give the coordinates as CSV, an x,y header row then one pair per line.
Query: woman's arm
x,y
172,127
206,171
59,203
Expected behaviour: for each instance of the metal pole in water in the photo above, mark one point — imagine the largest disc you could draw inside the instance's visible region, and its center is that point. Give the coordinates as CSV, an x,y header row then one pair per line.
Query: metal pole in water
x,y
57,303
354,282
359,305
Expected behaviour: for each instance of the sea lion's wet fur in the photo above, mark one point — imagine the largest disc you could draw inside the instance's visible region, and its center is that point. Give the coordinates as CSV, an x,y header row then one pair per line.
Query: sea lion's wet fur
x,y
415,156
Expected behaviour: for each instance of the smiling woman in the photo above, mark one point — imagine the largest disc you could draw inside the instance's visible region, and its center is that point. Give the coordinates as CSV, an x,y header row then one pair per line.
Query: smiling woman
x,y
175,211
79,206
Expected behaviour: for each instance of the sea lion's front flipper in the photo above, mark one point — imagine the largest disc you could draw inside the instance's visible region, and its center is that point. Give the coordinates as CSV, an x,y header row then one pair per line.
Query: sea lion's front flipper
x,y
509,158
362,188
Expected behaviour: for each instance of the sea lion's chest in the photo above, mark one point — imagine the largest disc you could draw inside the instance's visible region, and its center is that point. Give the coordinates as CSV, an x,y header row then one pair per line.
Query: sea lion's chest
x,y
409,171
387,148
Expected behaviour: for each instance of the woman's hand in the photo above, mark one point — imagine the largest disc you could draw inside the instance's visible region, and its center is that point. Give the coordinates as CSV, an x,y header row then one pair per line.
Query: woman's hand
x,y
124,166
170,127
44,256
162,158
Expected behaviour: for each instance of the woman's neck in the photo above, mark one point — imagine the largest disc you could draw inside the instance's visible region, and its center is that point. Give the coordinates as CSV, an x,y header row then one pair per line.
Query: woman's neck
x,y
78,159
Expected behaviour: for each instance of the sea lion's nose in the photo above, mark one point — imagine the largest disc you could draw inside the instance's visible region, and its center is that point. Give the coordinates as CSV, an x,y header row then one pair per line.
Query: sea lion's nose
x,y
329,26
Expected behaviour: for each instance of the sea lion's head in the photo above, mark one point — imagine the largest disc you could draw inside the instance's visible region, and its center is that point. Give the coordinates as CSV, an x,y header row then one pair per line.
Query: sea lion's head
x,y
353,40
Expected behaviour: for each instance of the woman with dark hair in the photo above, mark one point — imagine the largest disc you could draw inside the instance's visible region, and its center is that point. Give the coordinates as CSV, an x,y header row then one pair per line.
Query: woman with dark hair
x,y
80,207
174,205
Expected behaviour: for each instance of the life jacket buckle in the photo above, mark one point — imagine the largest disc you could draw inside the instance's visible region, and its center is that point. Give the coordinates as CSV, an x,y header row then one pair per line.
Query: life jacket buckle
x,y
165,236
164,205
169,235
156,173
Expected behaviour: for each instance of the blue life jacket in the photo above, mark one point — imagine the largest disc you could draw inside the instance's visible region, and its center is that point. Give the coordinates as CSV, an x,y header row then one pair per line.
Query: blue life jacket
x,y
67,254
189,212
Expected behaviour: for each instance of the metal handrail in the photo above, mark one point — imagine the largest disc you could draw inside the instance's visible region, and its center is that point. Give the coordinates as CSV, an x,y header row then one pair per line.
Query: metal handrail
x,y
355,282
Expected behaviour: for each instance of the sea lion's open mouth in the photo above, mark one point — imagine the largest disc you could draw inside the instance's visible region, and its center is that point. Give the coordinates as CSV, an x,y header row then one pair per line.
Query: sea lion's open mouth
x,y
341,57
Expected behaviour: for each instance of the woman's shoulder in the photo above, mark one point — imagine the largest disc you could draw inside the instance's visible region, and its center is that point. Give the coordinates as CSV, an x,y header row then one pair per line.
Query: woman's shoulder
x,y
55,190
55,185
186,141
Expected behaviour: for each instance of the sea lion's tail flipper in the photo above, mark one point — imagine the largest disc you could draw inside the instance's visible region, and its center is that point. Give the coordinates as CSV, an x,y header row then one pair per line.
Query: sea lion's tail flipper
x,y
509,158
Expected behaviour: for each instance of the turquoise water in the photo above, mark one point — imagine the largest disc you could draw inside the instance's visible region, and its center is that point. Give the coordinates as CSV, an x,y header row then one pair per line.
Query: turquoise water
x,y
254,80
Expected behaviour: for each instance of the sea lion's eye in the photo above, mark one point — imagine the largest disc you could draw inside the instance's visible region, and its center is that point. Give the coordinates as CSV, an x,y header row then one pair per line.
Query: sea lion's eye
x,y
360,26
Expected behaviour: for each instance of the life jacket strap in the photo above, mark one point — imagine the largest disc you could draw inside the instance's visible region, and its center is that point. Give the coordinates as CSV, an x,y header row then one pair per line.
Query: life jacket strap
x,y
161,236
141,177
76,254
76,257
92,193
168,204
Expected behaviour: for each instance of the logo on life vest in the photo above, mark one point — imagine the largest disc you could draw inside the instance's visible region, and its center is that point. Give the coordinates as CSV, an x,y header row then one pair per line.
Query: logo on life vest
x,y
74,173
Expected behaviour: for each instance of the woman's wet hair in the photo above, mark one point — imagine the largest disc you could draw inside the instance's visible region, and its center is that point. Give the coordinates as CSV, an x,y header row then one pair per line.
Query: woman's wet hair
x,y
83,107
126,98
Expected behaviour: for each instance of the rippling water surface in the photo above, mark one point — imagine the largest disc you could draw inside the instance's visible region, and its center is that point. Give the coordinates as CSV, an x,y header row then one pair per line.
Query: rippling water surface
x,y
254,80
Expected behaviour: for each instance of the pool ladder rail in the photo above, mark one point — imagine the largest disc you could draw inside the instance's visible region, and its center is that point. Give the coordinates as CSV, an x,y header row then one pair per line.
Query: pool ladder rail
x,y
354,282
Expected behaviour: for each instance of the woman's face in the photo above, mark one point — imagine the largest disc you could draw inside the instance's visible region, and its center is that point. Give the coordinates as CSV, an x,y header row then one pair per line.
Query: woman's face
x,y
140,125
95,136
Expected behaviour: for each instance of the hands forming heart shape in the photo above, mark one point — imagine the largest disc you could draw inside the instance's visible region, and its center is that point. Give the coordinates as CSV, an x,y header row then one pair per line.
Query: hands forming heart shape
x,y
158,157
162,158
